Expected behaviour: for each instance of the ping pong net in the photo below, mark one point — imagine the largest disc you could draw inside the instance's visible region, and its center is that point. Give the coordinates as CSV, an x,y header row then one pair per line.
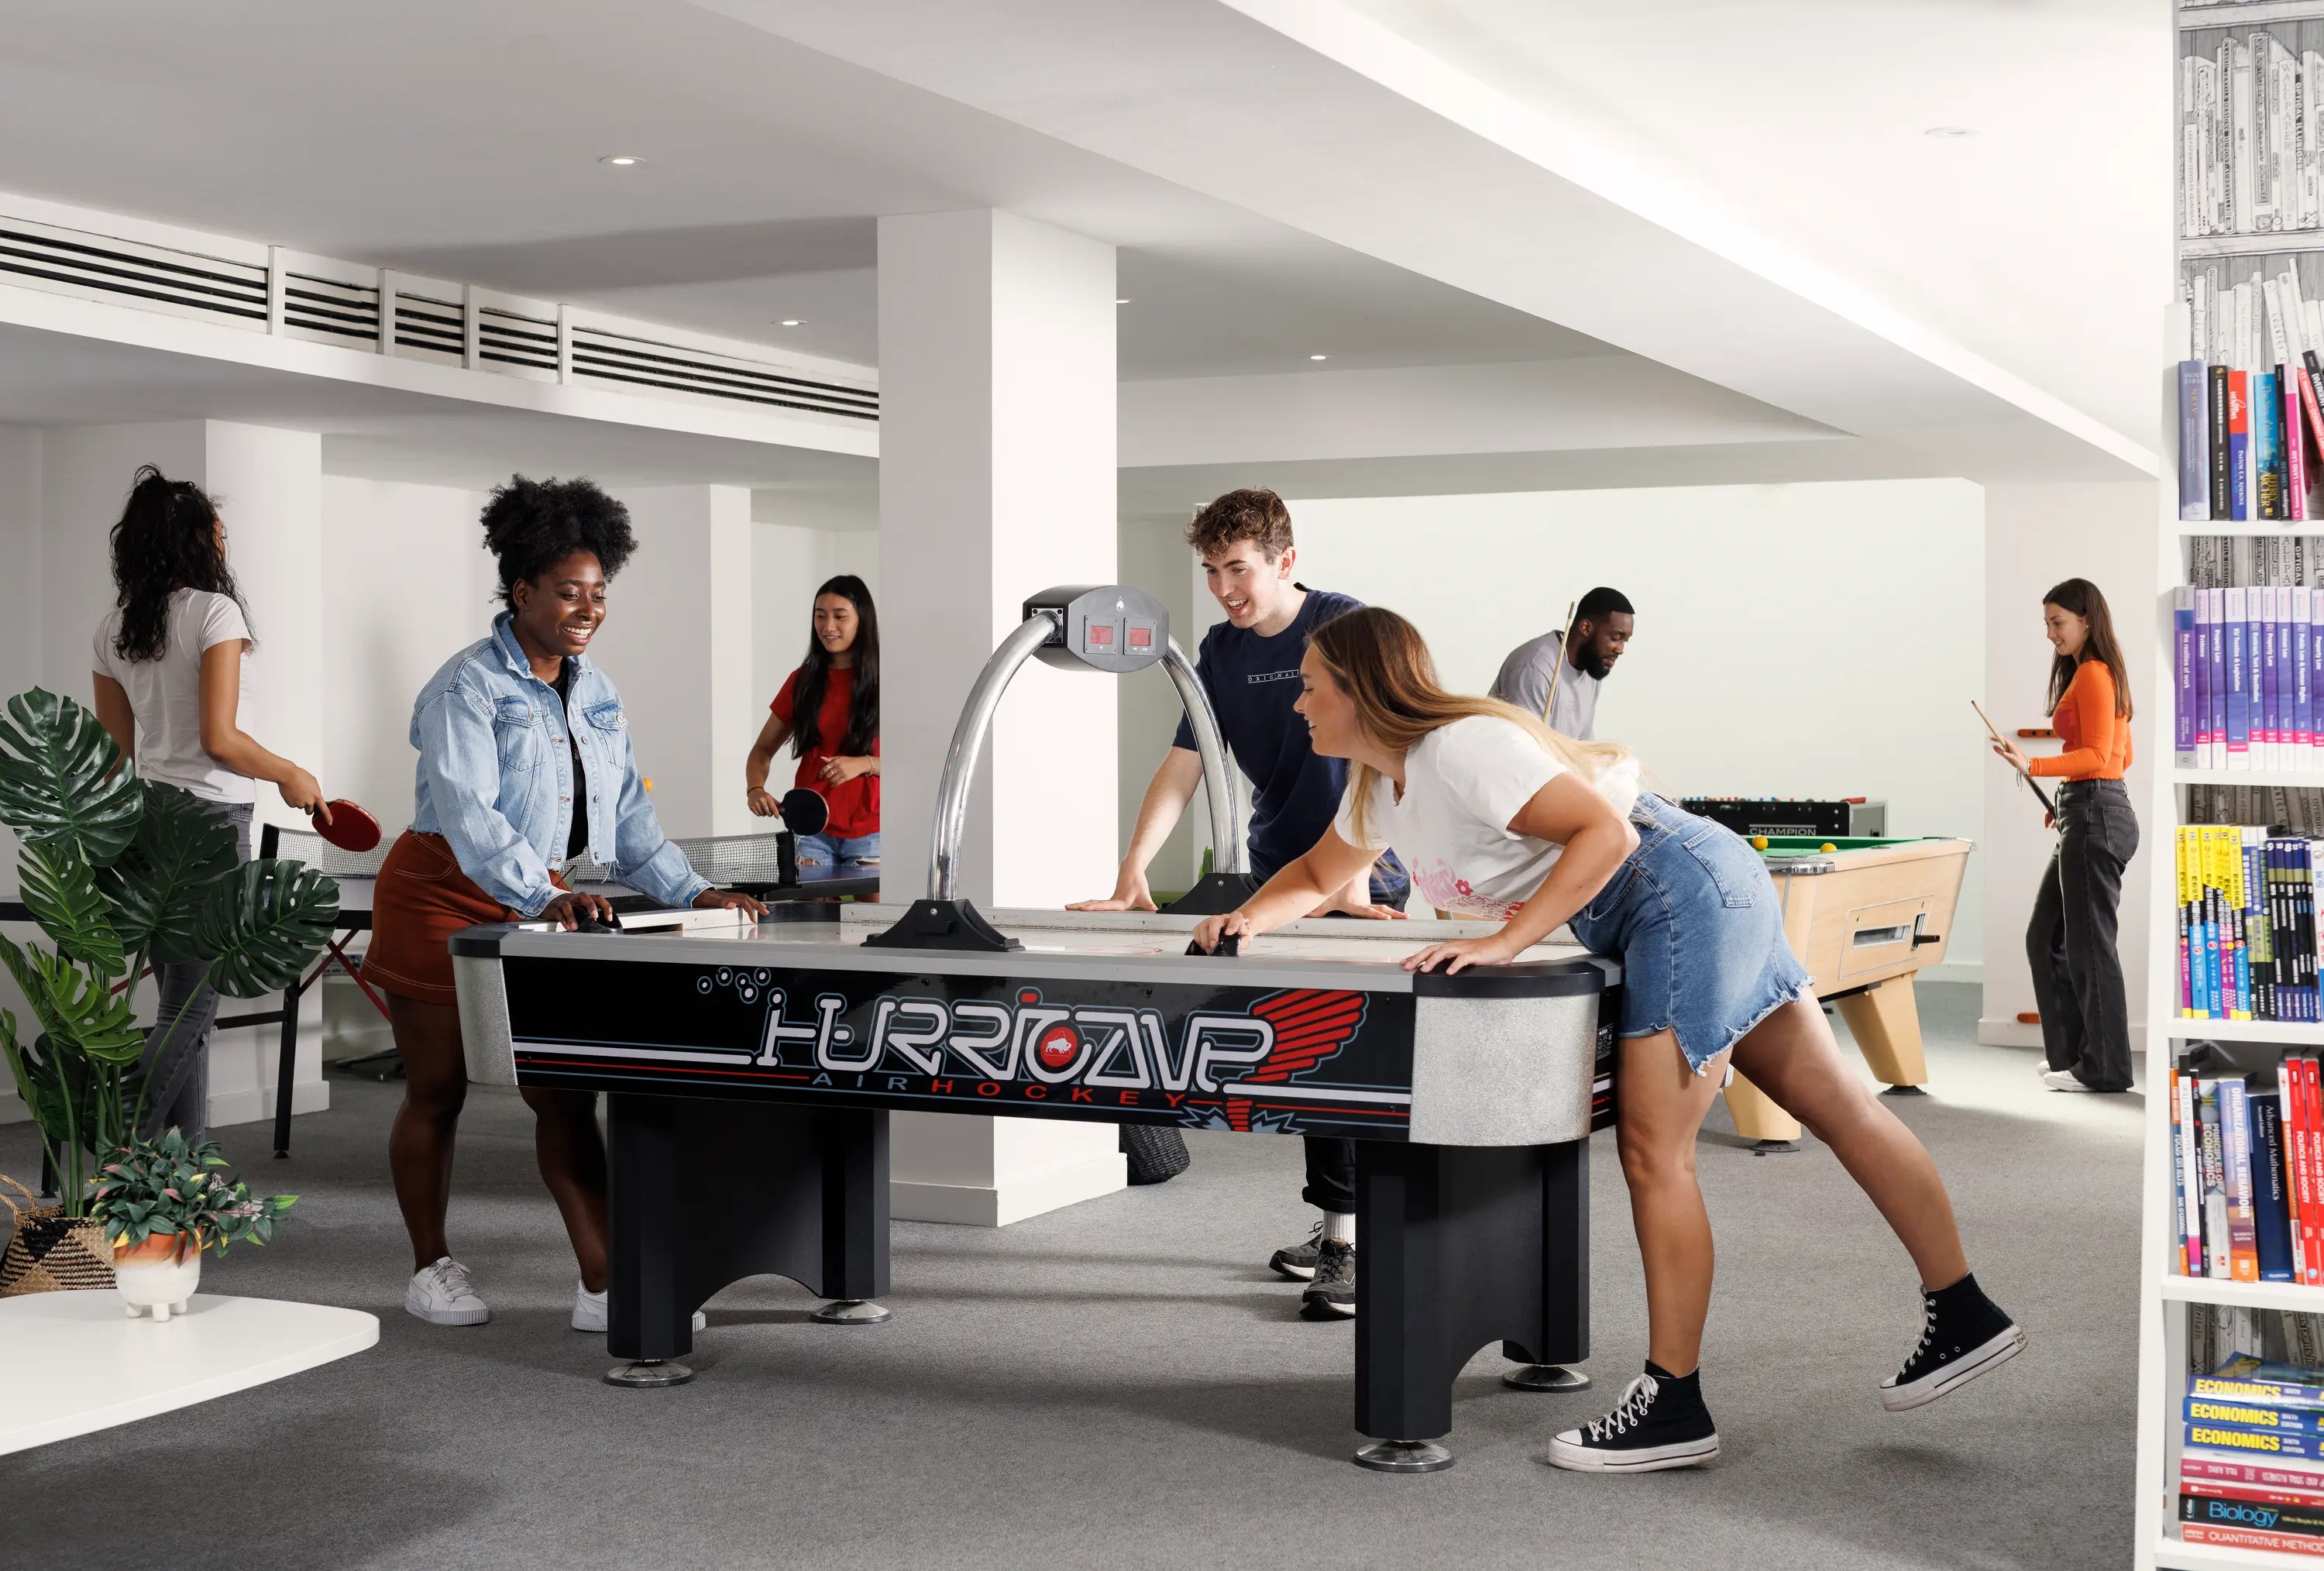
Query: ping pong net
x,y
749,863
306,845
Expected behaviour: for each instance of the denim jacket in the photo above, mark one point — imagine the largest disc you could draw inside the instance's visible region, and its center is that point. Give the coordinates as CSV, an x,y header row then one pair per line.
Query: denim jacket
x,y
496,778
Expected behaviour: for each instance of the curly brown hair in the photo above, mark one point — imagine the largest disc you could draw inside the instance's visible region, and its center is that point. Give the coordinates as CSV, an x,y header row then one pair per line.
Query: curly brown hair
x,y
1252,514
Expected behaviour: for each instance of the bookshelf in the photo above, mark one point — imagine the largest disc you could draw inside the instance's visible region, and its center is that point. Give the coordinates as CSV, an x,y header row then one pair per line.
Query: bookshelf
x,y
2166,1298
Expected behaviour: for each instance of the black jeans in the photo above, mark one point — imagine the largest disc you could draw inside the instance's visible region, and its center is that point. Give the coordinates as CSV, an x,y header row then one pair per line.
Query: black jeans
x,y
175,1072
2071,942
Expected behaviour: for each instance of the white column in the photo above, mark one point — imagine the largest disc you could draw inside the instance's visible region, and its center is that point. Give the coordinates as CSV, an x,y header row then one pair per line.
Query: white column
x,y
2035,536
996,480
678,642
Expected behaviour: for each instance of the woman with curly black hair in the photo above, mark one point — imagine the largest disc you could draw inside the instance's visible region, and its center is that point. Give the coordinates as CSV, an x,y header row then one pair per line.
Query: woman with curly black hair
x,y
525,762
829,711
169,662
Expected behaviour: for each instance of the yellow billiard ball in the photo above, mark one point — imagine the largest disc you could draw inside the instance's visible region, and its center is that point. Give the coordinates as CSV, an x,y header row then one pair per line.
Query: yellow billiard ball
x,y
1758,841
1827,845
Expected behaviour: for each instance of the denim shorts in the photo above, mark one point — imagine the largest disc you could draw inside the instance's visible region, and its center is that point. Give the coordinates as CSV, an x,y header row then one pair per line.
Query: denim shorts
x,y
823,851
1696,923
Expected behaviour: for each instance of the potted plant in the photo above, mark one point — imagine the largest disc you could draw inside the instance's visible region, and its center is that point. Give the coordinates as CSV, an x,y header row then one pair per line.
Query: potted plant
x,y
120,872
161,1203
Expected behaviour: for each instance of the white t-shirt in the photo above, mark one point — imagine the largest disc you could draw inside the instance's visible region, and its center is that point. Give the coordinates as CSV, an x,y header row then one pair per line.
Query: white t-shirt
x,y
166,694
1462,784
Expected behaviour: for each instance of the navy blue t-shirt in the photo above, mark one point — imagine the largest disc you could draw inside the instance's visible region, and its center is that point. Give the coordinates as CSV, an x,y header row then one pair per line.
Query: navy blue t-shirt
x,y
1253,681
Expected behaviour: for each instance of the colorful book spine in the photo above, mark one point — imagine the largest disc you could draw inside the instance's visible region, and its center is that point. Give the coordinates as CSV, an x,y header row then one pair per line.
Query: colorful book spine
x,y
2239,454
2216,1260
2234,1136
2244,1472
2252,1416
2207,735
2222,481
2182,636
2260,1382
2307,1195
2271,1200
2295,451
2247,1441
2304,707
2217,597
2267,446
2238,750
2269,687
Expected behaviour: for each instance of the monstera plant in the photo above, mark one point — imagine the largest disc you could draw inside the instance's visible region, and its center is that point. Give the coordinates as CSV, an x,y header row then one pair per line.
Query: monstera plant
x,y
122,873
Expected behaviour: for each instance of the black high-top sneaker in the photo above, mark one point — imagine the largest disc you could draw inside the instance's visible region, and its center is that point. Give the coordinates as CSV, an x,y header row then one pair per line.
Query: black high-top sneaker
x,y
1660,1423
1297,1260
1331,1296
1963,1333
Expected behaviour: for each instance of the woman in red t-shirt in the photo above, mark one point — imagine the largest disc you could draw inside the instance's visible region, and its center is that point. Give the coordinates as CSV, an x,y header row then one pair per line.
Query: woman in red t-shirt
x,y
829,711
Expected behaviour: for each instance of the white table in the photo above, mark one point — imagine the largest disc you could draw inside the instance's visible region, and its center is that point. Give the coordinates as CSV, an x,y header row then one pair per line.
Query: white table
x,y
77,1363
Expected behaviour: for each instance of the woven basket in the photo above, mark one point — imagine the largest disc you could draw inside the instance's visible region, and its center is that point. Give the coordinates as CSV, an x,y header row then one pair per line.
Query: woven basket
x,y
51,1252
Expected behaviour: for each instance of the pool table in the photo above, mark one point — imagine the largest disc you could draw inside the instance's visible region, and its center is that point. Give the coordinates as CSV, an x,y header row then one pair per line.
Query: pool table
x,y
1863,914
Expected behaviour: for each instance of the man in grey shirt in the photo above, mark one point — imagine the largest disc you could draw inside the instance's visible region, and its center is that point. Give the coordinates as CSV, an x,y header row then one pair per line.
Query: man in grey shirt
x,y
1601,632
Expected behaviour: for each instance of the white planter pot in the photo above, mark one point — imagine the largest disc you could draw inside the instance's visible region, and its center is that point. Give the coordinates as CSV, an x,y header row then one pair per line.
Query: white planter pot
x,y
157,1289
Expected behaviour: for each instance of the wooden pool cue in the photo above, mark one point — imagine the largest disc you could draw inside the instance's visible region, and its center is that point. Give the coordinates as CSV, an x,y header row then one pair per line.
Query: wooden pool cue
x,y
1564,633
2047,804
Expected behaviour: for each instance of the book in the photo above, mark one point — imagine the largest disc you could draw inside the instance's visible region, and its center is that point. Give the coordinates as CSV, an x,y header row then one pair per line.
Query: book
x,y
2266,1381
2236,1151
2222,486
2271,1201
2208,1410
2212,1171
2239,672
2183,632
2194,442
2246,1472
2240,1538
2306,1520
2244,1439
2267,446
2240,489
2191,1225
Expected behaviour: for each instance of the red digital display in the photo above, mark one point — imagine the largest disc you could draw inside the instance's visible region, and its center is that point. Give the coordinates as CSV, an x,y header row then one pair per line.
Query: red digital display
x,y
1100,636
1141,637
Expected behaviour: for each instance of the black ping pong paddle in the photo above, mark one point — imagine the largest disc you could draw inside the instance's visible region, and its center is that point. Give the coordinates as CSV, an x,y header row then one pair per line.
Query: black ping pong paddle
x,y
804,812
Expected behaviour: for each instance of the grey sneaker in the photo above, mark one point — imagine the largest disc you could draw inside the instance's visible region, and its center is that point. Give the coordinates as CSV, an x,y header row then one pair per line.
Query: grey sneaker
x,y
590,1312
1331,1296
1298,1261
441,1294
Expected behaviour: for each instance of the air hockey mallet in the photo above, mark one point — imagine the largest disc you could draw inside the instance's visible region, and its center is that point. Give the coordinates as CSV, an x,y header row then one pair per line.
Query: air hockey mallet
x,y
2047,804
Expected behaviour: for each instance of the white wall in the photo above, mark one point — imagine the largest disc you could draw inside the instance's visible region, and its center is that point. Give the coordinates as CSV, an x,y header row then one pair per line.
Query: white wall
x,y
1154,557
787,563
406,583
85,477
2035,536
1820,639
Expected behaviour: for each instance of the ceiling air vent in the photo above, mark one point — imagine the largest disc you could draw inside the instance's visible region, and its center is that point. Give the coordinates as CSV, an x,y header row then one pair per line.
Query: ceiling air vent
x,y
100,267
329,308
607,356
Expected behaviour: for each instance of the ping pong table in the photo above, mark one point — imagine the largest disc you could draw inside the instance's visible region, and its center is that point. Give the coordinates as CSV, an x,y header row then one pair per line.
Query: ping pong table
x,y
760,864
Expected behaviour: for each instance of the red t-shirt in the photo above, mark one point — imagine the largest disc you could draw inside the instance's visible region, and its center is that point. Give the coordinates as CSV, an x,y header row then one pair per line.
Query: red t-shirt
x,y
854,806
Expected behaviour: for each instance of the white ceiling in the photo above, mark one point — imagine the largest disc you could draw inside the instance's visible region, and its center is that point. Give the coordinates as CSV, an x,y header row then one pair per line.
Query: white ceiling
x,y
463,139
1735,188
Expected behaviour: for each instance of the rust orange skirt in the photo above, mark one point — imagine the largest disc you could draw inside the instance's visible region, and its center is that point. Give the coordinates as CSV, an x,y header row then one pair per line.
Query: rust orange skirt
x,y
422,899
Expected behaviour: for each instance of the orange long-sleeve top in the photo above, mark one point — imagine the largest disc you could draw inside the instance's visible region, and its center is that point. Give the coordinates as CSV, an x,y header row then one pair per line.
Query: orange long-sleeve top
x,y
2096,739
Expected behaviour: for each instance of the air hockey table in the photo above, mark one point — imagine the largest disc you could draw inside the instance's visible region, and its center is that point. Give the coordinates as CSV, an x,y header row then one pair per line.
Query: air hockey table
x,y
749,1071
749,1074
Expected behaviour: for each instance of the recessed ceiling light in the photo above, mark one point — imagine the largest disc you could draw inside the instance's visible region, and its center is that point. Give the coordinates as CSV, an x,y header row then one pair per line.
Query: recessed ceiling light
x,y
790,322
621,160
1121,302
1950,131
1319,356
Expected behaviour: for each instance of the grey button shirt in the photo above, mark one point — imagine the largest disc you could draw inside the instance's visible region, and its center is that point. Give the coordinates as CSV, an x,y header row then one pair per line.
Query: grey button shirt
x,y
1525,682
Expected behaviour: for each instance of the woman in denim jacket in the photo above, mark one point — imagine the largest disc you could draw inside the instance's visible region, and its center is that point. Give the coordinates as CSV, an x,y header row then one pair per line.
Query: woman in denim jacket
x,y
525,765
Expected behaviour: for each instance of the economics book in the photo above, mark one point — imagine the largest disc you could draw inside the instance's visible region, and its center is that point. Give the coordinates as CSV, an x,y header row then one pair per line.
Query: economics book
x,y
2255,1380
2242,1439
2209,1410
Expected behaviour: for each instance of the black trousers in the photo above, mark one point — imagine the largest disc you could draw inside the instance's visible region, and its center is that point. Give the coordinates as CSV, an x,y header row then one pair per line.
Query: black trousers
x,y
1331,1174
2070,944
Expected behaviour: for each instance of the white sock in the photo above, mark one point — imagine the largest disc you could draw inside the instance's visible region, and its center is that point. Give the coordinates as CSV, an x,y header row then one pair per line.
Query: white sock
x,y
1340,1226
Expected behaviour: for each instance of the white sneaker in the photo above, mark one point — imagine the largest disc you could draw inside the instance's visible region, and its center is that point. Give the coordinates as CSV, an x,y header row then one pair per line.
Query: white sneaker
x,y
2061,1080
589,1311
442,1295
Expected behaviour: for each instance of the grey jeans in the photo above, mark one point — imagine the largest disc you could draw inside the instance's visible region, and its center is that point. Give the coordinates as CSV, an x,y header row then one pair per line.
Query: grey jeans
x,y
175,1073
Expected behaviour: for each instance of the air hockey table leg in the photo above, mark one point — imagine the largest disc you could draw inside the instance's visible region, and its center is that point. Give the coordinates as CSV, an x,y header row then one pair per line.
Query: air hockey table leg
x,y
703,1193
1461,1246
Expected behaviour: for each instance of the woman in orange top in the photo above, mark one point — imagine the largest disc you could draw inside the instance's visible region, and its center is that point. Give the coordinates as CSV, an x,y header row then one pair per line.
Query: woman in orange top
x,y
2070,942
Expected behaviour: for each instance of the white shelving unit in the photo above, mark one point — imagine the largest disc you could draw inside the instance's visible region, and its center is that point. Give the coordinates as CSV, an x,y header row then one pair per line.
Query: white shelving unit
x,y
2164,1296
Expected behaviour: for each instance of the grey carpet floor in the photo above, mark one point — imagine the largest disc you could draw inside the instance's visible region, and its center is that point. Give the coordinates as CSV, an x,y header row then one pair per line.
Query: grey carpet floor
x,y
1124,1384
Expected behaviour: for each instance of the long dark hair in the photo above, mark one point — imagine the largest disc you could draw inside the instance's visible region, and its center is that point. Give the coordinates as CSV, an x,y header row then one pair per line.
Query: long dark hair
x,y
2081,598
165,540
863,703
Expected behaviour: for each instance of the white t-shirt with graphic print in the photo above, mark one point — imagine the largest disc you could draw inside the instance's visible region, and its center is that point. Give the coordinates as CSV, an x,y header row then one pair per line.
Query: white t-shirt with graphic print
x,y
1462,784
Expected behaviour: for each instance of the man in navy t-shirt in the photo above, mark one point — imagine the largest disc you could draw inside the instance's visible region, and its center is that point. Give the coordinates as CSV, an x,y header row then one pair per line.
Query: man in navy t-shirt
x,y
1249,666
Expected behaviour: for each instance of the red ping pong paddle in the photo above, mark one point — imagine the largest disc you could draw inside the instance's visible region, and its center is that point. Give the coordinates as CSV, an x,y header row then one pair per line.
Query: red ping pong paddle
x,y
804,812
350,827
